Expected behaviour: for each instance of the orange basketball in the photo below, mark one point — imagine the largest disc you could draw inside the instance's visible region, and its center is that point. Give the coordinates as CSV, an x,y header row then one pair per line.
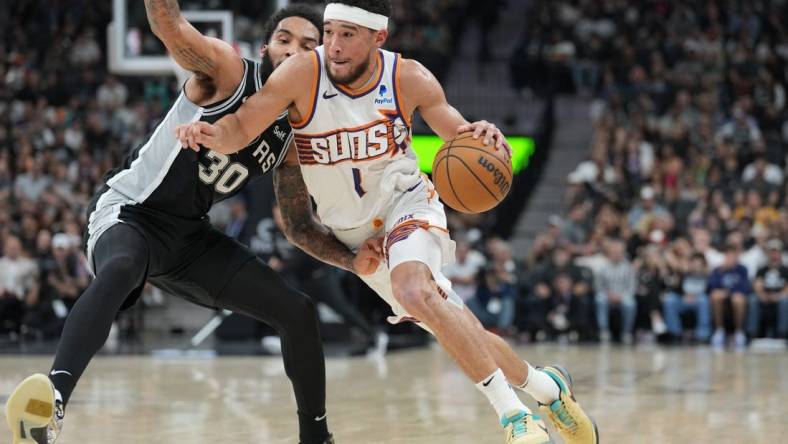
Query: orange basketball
x,y
471,177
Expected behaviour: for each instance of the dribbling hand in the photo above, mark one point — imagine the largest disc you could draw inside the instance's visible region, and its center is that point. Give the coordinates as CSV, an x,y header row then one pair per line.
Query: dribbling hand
x,y
368,256
489,131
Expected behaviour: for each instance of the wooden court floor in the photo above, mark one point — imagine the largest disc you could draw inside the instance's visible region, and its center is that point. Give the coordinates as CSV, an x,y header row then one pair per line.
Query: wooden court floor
x,y
648,395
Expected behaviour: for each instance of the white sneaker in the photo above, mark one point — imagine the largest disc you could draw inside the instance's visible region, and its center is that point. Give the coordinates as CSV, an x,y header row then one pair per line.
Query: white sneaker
x,y
740,340
381,345
658,326
272,345
718,339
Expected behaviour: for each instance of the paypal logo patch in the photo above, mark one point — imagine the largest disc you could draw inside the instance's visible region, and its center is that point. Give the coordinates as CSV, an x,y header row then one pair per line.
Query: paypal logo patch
x,y
382,99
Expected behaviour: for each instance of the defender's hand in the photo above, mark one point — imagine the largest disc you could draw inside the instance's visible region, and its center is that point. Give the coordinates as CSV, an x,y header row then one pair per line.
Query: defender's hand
x,y
489,131
368,257
192,135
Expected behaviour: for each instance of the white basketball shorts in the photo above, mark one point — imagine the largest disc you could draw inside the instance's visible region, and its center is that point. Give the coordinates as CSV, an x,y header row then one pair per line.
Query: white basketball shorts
x,y
414,226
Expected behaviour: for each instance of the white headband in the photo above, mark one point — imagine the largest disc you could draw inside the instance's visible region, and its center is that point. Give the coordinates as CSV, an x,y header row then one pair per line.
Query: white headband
x,y
359,16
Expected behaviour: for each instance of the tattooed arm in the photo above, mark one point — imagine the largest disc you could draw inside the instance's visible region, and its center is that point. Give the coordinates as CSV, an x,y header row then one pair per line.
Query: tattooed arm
x,y
304,231
205,56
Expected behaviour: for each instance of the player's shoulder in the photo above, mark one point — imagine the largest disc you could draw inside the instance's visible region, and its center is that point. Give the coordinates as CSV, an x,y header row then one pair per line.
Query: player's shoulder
x,y
416,82
412,70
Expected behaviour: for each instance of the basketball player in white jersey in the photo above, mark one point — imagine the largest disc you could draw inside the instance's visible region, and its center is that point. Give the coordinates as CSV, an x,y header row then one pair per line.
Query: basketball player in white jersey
x,y
350,105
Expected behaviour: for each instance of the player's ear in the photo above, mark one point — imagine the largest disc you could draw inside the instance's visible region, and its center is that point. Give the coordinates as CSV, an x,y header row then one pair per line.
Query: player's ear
x,y
379,37
263,50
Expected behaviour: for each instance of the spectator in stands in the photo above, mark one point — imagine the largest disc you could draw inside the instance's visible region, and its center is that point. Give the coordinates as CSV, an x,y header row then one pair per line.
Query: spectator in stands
x,y
237,226
575,227
18,284
754,257
67,278
63,278
496,294
85,51
572,308
689,296
494,302
729,284
559,297
616,285
762,176
771,289
742,128
651,270
464,272
646,211
6,178
701,242
112,94
31,182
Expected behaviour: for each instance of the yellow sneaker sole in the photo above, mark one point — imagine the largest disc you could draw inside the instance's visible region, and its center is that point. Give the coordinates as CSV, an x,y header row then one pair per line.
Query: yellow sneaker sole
x,y
30,406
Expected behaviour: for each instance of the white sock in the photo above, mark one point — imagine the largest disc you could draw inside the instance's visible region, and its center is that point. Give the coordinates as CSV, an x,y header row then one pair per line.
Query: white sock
x,y
501,396
540,386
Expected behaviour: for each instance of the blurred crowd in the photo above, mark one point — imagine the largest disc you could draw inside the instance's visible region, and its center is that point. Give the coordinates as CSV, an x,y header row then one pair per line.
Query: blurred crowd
x,y
676,225
65,121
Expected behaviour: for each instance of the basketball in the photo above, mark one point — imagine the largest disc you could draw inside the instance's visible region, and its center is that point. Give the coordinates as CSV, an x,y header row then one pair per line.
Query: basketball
x,y
471,177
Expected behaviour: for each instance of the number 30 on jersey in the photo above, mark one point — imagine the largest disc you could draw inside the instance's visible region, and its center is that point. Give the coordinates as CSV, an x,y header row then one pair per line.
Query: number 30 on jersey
x,y
225,176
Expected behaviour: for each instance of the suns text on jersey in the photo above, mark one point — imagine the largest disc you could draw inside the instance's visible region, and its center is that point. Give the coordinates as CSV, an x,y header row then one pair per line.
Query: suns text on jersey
x,y
355,144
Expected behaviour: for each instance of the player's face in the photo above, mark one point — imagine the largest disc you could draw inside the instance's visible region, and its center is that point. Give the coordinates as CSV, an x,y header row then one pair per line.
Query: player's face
x,y
293,35
349,49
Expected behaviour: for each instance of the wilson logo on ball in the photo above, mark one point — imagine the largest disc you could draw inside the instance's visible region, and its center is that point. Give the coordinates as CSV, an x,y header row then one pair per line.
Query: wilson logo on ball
x,y
469,176
499,179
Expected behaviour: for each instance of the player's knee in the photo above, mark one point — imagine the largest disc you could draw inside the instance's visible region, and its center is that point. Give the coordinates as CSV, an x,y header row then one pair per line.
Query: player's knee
x,y
414,297
300,310
125,269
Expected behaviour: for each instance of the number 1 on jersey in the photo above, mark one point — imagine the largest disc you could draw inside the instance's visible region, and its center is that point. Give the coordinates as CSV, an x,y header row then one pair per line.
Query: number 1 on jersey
x,y
357,182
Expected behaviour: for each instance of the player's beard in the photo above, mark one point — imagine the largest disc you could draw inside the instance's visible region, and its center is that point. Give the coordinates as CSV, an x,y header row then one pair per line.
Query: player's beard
x,y
351,77
267,64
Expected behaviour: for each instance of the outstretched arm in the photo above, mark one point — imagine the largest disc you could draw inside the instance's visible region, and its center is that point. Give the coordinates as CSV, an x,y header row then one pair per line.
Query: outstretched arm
x,y
234,131
190,49
304,231
424,93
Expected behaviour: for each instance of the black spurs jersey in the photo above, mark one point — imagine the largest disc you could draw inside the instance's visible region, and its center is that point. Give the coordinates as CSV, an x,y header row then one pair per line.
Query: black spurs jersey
x,y
162,176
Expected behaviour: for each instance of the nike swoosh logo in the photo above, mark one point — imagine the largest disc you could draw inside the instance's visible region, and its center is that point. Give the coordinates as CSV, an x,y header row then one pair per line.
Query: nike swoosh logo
x,y
320,418
486,383
57,372
326,96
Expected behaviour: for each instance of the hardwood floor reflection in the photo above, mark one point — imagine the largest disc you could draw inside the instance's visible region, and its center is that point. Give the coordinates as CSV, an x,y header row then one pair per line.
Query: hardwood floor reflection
x,y
637,396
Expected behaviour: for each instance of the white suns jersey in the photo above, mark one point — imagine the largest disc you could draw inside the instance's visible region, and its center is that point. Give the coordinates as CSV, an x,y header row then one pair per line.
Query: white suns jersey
x,y
355,147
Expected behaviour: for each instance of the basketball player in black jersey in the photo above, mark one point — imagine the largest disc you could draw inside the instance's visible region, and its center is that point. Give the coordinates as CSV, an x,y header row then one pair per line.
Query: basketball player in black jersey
x,y
149,223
